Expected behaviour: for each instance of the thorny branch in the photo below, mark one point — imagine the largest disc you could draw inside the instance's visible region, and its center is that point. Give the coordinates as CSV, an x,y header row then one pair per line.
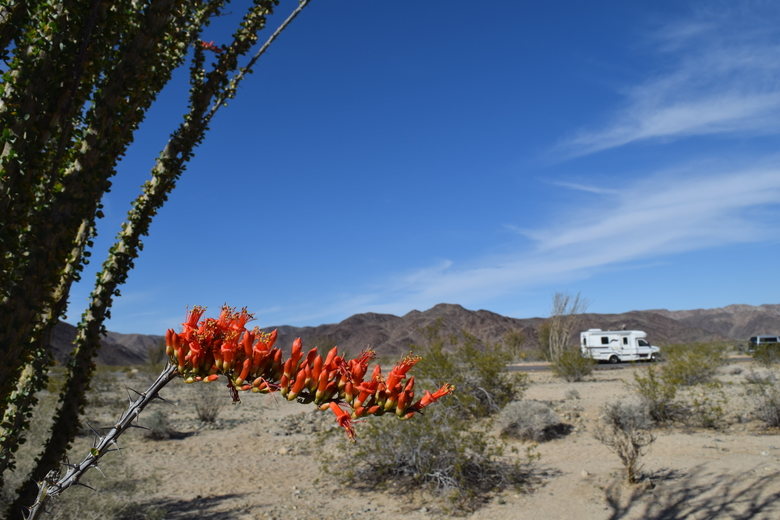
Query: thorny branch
x,y
54,484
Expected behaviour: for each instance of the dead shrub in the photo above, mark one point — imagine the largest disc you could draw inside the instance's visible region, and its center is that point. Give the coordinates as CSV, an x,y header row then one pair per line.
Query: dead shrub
x,y
531,421
625,429
158,427
209,401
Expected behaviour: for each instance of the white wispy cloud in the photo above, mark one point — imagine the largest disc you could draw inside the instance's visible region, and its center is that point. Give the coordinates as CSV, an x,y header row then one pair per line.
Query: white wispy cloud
x,y
644,221
721,77
598,190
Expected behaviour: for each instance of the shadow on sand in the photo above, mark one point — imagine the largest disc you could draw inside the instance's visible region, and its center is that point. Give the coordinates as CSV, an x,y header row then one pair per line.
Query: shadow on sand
x,y
670,495
202,508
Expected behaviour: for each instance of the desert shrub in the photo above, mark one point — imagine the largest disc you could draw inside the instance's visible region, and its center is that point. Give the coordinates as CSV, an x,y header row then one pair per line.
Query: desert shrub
x,y
444,452
513,343
656,395
706,406
105,388
439,453
208,403
735,371
157,426
572,366
531,421
156,356
625,429
692,364
757,378
572,394
763,393
478,372
767,354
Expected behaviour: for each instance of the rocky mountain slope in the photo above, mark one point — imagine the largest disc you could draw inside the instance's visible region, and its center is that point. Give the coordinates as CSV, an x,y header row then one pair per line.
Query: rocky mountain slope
x,y
733,321
393,335
117,349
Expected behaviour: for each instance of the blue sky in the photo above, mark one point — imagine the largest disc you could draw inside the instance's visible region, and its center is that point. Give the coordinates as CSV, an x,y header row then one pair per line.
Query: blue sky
x,y
389,156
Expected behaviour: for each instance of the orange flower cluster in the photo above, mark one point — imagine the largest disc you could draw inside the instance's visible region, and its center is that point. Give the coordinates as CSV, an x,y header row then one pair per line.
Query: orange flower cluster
x,y
207,348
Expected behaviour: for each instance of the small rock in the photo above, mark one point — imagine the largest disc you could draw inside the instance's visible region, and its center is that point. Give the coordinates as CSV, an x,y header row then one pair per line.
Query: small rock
x,y
584,474
283,451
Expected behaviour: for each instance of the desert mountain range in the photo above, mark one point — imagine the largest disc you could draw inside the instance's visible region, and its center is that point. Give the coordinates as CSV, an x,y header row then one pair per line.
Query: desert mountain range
x,y
393,335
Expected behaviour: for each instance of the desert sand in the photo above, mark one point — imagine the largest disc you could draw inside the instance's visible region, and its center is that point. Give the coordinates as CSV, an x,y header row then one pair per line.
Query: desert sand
x,y
258,461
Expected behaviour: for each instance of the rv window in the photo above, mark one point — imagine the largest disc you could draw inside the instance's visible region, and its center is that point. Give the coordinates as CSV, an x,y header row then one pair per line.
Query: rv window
x,y
625,341
643,343
604,340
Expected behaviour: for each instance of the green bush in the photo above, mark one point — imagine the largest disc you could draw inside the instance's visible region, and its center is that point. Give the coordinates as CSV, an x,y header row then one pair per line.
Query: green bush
x,y
690,367
692,364
483,386
445,452
572,366
656,395
706,406
439,453
767,354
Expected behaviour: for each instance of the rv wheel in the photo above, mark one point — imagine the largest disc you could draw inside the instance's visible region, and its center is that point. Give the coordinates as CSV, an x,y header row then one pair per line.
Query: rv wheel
x,y
614,360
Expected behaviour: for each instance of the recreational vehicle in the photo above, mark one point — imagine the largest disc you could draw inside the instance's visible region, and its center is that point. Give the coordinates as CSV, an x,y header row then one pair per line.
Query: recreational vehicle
x,y
762,339
617,345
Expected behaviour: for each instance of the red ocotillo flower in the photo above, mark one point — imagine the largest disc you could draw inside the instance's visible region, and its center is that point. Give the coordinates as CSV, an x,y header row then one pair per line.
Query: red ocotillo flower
x,y
207,348
343,418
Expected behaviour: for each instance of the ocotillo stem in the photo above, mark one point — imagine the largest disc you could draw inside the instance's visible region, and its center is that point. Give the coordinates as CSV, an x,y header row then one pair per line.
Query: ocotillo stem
x,y
53,484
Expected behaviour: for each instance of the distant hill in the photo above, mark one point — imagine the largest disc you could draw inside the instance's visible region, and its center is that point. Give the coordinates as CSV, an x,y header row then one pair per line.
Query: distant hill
x,y
117,349
733,321
393,335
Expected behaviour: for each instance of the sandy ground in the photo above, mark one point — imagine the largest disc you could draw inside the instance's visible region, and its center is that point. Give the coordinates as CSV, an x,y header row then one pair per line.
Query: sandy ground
x,y
258,462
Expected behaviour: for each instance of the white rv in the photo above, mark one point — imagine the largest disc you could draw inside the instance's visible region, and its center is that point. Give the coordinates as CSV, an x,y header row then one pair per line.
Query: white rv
x,y
617,345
